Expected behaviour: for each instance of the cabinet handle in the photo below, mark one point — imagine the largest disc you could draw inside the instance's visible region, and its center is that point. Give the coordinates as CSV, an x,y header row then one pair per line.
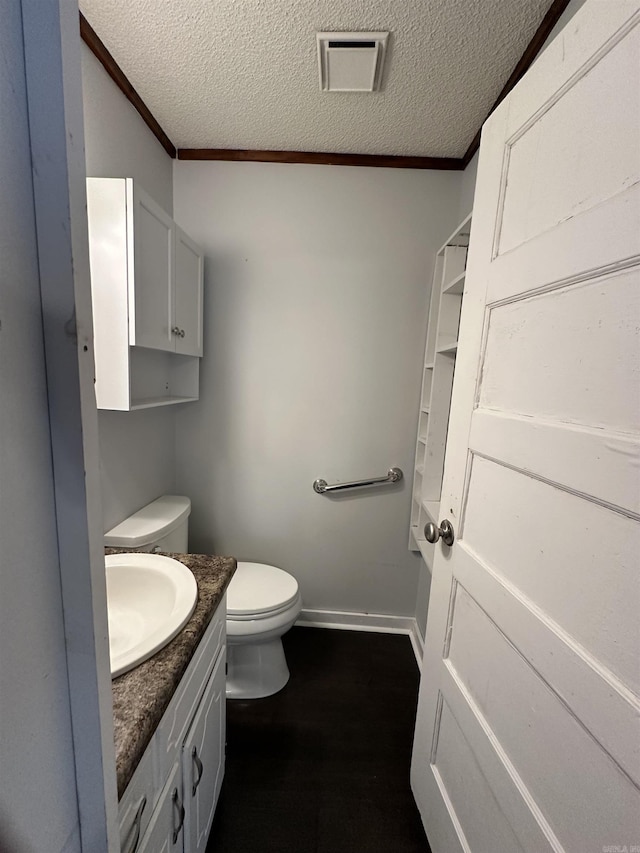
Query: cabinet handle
x,y
199,768
182,333
175,799
136,823
175,331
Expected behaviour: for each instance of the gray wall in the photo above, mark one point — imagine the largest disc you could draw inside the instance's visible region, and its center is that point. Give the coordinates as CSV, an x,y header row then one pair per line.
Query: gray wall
x,y
316,290
38,805
118,142
137,449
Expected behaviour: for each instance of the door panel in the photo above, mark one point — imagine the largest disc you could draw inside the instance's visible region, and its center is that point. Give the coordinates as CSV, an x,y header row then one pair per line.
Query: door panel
x,y
151,300
460,775
166,823
600,616
560,453
188,294
532,638
540,154
523,713
532,336
204,770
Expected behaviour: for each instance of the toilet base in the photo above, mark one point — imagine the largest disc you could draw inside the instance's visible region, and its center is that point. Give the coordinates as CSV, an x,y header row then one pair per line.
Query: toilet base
x,y
256,670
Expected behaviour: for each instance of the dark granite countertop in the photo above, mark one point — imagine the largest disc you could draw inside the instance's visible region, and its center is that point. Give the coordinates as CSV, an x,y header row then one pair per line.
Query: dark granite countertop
x,y
141,696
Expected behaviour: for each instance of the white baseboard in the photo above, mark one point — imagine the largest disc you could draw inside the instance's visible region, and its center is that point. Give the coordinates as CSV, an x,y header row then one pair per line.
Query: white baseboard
x,y
379,623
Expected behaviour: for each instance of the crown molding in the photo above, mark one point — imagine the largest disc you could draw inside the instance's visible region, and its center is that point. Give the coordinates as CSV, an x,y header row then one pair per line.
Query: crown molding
x,y
321,158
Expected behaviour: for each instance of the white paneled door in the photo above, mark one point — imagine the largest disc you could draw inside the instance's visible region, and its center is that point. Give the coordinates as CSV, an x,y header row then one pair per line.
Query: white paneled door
x,y
527,733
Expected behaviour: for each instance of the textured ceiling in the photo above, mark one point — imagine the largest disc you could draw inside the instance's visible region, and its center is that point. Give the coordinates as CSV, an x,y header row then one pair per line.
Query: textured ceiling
x,y
243,73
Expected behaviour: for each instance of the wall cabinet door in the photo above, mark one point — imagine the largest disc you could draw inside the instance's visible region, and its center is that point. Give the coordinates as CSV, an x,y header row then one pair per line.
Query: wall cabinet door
x,y
151,243
203,761
189,263
165,833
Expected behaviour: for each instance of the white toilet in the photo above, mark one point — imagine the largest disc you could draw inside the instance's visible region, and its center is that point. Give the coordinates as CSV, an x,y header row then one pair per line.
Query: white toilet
x,y
263,602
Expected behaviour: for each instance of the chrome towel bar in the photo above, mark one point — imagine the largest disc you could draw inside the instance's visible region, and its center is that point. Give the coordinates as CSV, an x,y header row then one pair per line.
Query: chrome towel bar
x,y
394,475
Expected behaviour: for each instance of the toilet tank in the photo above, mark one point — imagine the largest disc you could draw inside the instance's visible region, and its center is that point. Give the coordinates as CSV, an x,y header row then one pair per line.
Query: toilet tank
x,y
162,525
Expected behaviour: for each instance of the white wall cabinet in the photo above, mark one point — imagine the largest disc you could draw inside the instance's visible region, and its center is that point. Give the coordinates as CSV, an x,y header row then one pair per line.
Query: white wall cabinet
x,y
147,290
171,799
435,399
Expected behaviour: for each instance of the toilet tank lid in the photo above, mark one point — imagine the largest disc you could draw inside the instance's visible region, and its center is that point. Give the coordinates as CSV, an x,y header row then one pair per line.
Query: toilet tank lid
x,y
150,523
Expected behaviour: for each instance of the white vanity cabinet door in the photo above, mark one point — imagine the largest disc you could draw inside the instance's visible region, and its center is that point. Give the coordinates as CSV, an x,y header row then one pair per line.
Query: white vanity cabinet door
x,y
203,757
165,833
150,256
137,804
189,274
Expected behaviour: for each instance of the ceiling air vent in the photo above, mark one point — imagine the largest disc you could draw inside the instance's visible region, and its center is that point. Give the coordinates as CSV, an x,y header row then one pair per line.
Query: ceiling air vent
x,y
351,62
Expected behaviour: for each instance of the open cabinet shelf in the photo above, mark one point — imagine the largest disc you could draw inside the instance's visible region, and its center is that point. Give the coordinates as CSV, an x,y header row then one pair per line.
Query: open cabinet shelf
x,y
435,398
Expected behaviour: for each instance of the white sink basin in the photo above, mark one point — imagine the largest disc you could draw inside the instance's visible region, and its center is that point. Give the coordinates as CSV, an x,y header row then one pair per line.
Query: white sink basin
x,y
149,600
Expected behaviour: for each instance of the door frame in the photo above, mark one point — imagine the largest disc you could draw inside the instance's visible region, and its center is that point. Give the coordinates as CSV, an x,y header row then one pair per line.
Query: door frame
x,y
54,86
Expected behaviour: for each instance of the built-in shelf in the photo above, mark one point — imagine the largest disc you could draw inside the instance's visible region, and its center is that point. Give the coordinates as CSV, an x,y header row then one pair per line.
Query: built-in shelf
x,y
435,399
456,286
432,509
447,347
460,236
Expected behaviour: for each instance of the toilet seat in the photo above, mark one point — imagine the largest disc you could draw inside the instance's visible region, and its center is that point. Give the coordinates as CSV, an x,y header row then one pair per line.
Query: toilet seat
x,y
260,591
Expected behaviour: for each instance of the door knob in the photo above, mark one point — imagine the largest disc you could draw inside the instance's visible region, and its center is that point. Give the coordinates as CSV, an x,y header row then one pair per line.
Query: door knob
x,y
432,533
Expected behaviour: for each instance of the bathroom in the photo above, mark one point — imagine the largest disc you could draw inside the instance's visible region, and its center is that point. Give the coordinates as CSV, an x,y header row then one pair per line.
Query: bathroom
x,y
295,315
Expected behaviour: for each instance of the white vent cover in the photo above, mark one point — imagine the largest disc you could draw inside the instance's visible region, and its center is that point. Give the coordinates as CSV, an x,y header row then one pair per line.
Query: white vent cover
x,y
351,62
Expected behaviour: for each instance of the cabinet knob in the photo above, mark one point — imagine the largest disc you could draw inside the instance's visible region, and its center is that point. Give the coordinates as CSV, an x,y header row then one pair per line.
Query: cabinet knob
x,y
182,333
445,531
175,331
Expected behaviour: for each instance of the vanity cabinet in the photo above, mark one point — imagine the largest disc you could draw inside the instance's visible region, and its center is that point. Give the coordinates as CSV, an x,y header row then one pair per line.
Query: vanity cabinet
x,y
170,801
147,291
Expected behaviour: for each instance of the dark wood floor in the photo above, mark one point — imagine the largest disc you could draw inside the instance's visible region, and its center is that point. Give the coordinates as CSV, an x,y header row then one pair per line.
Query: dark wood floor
x,y
323,766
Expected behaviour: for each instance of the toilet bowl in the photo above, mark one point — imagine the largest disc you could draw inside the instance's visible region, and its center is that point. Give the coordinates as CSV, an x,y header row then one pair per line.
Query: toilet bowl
x,y
263,602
